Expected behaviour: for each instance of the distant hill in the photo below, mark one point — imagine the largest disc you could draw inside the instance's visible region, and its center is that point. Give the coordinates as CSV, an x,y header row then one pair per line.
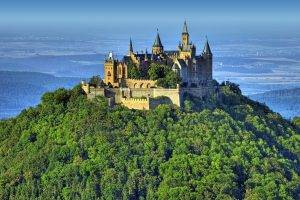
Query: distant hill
x,y
286,102
20,90
223,147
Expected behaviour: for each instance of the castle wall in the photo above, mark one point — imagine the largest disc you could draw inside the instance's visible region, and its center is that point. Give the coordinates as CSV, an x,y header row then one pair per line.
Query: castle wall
x,y
93,92
152,97
173,94
198,92
141,92
154,102
139,83
134,103
115,93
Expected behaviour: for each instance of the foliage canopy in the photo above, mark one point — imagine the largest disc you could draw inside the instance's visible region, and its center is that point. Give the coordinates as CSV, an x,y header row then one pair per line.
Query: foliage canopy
x,y
224,147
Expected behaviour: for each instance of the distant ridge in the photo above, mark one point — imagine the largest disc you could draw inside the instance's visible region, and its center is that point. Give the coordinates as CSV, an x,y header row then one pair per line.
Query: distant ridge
x,y
286,102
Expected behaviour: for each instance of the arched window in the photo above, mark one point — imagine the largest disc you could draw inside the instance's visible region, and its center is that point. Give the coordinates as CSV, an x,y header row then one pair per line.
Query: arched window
x,y
108,73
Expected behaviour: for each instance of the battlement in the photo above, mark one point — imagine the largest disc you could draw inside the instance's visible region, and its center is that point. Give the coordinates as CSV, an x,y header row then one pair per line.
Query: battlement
x,y
136,103
136,99
145,98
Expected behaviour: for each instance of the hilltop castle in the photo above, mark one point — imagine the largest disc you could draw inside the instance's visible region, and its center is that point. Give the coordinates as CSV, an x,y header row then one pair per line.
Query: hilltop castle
x,y
194,70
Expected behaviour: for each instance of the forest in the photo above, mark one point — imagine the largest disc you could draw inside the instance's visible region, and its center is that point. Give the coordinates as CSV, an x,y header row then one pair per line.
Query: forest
x,y
223,147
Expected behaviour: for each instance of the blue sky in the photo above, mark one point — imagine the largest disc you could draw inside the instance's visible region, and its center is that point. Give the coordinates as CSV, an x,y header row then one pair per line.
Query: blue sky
x,y
20,11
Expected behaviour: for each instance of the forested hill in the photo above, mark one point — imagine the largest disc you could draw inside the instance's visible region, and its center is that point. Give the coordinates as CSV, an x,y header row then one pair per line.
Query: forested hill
x,y
226,147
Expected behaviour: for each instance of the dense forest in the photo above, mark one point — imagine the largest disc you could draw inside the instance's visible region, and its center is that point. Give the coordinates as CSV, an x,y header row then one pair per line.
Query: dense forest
x,y
223,147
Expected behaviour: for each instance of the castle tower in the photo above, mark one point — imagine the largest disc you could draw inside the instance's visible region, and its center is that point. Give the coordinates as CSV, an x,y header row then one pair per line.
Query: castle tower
x,y
185,37
110,70
157,47
208,57
186,49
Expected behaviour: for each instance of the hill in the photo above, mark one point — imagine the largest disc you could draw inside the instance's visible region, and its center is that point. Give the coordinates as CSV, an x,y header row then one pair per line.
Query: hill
x,y
23,89
225,147
286,102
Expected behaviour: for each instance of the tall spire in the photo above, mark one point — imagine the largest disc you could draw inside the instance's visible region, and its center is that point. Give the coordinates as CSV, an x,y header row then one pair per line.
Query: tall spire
x,y
185,29
157,42
207,49
130,46
146,55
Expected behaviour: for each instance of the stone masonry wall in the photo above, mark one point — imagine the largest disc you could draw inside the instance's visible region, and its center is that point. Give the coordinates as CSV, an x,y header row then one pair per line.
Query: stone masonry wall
x,y
174,94
133,103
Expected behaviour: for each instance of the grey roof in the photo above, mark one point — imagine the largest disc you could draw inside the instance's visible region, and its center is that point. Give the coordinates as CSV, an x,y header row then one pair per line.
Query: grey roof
x,y
207,49
130,46
171,52
185,29
182,63
157,42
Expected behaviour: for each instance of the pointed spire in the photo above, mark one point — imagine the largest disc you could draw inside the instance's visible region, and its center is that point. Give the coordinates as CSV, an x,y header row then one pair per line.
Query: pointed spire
x,y
185,29
207,49
130,46
157,42
146,55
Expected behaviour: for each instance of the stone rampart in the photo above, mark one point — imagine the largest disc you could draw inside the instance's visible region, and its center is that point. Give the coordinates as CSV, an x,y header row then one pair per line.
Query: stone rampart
x,y
136,103
139,83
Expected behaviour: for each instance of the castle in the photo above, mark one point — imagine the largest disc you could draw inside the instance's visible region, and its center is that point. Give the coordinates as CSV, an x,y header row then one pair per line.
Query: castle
x,y
194,70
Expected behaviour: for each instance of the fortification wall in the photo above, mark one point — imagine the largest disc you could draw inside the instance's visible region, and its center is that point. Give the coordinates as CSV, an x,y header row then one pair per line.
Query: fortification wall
x,y
139,83
93,92
141,92
134,103
154,102
173,94
151,95
198,92
116,93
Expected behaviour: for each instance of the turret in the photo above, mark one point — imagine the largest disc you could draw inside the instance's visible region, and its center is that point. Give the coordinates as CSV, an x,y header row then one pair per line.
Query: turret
x,y
185,37
207,51
146,55
110,69
157,47
130,47
208,61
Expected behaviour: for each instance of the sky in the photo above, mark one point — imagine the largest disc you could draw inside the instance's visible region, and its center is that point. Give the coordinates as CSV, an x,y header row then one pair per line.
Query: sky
x,y
113,11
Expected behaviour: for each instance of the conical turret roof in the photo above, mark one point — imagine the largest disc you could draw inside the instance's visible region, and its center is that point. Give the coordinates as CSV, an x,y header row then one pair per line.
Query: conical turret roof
x,y
185,29
207,49
157,42
130,46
